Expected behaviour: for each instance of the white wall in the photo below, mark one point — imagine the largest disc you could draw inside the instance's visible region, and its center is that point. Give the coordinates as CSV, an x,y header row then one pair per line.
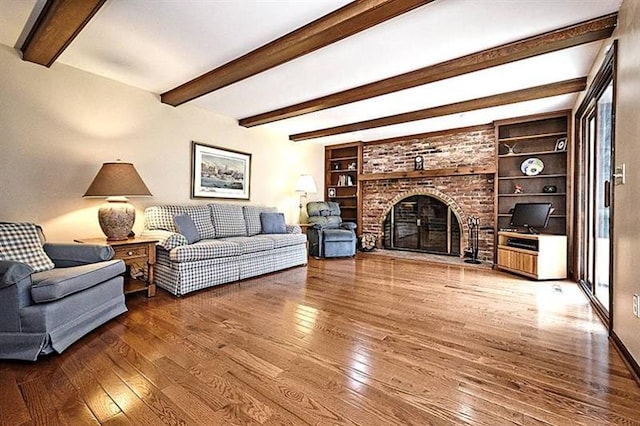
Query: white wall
x,y
58,125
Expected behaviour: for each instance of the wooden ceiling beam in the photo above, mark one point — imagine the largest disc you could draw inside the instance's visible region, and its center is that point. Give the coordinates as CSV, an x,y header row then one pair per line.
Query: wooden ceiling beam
x,y
571,36
538,92
57,25
342,23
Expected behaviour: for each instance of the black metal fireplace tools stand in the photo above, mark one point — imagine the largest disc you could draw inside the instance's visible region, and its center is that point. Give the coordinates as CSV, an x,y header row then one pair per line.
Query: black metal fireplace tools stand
x,y
472,245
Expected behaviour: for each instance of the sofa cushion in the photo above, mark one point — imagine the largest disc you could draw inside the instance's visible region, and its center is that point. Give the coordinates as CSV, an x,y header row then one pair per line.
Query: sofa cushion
x,y
252,244
57,283
286,240
273,223
252,218
228,220
161,217
20,242
185,226
204,250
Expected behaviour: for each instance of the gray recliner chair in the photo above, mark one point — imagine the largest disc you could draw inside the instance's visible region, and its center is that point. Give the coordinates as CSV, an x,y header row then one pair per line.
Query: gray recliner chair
x,y
329,236
44,312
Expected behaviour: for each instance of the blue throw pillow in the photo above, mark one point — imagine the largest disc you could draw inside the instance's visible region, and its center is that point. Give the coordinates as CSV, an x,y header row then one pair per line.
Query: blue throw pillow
x,y
185,226
273,223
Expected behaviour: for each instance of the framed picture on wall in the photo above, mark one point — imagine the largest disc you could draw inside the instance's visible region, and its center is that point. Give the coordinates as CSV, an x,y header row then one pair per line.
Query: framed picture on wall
x,y
219,172
561,144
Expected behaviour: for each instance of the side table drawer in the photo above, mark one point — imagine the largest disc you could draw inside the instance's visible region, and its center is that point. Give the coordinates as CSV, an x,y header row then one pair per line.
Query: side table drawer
x,y
136,252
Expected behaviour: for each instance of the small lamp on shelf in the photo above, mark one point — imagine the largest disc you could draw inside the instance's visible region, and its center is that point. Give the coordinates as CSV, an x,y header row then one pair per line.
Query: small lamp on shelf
x,y
306,185
117,181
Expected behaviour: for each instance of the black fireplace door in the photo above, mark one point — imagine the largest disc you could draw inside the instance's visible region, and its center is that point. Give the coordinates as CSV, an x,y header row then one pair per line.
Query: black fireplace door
x,y
422,223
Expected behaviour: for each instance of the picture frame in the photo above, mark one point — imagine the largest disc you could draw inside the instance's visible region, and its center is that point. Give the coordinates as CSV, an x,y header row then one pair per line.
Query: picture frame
x,y
561,144
218,172
332,192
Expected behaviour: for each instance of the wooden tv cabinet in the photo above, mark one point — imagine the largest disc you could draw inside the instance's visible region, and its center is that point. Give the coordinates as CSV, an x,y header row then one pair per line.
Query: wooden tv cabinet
x,y
546,259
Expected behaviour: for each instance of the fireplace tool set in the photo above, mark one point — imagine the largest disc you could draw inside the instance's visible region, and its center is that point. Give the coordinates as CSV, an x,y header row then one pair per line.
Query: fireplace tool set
x,y
472,245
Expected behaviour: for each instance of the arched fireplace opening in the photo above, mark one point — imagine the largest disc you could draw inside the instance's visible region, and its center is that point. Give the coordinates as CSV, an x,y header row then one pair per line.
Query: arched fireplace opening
x,y
422,223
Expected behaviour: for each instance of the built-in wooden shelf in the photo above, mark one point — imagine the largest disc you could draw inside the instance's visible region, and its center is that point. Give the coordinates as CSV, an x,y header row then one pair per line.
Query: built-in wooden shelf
x,y
555,175
551,216
536,194
344,158
531,137
413,174
529,154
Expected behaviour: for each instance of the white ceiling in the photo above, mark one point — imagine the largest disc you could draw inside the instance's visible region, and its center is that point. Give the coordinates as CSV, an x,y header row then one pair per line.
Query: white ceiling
x,y
161,44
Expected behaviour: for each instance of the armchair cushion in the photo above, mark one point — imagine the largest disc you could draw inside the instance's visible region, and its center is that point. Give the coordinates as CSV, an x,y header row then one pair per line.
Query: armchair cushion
x,y
273,223
69,254
348,225
20,242
11,272
186,227
57,283
338,235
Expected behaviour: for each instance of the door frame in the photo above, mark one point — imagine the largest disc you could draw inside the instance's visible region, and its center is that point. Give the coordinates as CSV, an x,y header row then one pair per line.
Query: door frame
x,y
605,75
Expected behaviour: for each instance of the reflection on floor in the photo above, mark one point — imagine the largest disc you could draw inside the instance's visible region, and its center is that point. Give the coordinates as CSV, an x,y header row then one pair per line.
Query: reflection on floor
x,y
435,258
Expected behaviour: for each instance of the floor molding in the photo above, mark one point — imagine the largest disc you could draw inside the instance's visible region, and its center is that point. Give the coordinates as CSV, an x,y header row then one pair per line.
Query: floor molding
x,y
626,356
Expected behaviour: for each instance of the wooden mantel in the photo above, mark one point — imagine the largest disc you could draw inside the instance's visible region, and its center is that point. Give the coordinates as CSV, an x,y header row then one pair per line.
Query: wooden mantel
x,y
413,174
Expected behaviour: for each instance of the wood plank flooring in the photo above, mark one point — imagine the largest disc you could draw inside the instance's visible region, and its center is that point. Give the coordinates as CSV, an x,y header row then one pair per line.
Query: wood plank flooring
x,y
366,341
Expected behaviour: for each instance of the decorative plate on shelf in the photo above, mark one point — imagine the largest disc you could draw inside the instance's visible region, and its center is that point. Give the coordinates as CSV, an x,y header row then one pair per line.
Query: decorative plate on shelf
x,y
532,166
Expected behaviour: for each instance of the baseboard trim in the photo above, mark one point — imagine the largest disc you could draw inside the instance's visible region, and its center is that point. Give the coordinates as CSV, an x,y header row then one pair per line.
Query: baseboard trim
x,y
631,363
626,356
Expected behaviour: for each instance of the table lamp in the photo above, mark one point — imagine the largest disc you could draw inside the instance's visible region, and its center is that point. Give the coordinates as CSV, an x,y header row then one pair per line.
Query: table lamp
x,y
117,181
306,185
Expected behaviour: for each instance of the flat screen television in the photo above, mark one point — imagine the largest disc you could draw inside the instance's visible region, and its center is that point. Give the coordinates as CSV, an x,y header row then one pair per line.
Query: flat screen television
x,y
532,216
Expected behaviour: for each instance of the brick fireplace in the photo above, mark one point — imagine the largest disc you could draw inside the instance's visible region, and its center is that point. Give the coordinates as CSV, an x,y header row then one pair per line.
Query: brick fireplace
x,y
468,188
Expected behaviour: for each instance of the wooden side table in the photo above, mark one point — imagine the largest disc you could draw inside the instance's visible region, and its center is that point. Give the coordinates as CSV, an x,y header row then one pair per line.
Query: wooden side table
x,y
139,254
305,226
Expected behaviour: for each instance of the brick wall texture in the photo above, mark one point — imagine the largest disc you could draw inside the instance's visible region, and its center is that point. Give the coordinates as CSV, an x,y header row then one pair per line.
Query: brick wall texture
x,y
467,195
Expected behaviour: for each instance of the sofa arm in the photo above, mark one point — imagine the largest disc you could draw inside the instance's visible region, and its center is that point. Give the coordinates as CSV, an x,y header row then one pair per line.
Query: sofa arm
x,y
294,229
12,272
166,239
65,255
348,225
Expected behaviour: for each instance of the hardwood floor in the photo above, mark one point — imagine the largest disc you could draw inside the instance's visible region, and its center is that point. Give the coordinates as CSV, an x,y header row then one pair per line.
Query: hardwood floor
x,y
371,341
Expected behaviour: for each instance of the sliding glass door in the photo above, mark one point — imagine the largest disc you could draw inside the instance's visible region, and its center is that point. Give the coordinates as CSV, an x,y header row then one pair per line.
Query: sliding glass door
x,y
594,159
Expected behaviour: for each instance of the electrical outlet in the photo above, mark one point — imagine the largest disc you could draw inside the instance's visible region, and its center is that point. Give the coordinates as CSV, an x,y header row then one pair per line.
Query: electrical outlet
x,y
636,305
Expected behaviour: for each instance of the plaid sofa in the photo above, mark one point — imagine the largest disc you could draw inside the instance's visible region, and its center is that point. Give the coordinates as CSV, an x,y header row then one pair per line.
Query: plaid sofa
x,y
232,247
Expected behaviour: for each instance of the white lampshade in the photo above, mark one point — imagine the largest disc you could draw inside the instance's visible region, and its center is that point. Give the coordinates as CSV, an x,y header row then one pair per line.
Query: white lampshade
x,y
306,184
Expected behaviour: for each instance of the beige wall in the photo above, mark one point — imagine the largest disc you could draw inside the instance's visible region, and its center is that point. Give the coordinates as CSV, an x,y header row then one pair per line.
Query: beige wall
x,y
58,125
627,199
627,150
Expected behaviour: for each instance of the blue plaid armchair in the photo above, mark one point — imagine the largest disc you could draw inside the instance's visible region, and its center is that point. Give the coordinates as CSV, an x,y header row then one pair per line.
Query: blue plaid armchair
x,y
53,294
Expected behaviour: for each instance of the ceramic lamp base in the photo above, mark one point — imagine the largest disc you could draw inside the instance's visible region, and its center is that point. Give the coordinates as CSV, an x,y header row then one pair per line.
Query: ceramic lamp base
x,y
116,218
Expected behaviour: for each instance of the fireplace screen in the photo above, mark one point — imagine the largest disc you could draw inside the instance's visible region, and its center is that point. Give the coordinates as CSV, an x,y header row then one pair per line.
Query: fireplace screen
x,y
422,223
